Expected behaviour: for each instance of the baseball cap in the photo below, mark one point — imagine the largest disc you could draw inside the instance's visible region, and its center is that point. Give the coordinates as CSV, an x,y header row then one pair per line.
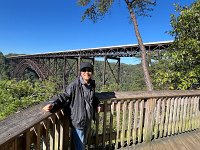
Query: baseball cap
x,y
86,65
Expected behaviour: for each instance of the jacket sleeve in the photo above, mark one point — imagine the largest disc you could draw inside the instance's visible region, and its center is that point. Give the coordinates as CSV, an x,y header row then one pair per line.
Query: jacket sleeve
x,y
62,99
59,101
96,102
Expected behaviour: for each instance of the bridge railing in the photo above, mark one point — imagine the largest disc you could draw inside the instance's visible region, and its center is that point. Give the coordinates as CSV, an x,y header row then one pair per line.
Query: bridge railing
x,y
126,118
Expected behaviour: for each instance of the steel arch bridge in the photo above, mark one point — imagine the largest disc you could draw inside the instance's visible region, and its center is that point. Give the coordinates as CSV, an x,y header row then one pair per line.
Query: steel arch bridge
x,y
46,64
28,63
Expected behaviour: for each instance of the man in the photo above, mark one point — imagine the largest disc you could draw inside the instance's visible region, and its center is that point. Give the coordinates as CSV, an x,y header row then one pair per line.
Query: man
x,y
80,103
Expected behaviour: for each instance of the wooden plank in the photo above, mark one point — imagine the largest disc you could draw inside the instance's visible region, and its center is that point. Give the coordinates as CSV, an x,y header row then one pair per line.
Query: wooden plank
x,y
165,143
9,146
191,113
61,118
57,131
45,143
130,121
104,123
28,143
188,114
197,137
33,137
140,129
196,113
146,94
170,117
149,120
176,144
16,144
170,145
89,138
38,136
146,122
180,126
159,145
97,130
66,129
198,118
177,115
192,138
157,122
161,126
118,123
184,114
174,115
146,146
135,123
187,143
167,116
111,124
52,131
123,123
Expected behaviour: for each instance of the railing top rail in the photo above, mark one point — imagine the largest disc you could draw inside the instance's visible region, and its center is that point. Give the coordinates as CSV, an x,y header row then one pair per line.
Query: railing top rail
x,y
16,124
146,94
20,122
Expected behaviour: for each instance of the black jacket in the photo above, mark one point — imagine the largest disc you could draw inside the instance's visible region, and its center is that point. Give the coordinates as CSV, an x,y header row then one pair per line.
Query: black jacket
x,y
74,104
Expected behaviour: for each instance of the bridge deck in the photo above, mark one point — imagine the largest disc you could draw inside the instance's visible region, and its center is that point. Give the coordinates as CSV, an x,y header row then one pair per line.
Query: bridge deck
x,y
185,141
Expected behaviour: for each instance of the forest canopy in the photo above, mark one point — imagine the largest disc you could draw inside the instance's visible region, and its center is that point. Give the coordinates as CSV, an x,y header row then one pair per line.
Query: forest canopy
x,y
180,66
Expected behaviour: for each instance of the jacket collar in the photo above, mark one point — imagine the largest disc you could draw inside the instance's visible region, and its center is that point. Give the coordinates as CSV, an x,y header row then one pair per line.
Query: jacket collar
x,y
82,81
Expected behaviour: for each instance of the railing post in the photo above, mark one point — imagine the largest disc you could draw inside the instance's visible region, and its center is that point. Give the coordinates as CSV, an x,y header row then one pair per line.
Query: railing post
x,y
65,132
149,119
28,143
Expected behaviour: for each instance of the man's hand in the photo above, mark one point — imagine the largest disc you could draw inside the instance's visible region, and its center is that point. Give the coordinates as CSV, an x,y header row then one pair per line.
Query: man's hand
x,y
48,107
98,109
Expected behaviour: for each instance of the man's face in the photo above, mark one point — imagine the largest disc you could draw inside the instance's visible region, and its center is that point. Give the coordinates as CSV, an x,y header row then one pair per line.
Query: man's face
x,y
86,74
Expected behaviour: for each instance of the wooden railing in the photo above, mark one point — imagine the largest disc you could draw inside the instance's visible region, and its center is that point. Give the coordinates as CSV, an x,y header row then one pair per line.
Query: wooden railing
x,y
126,118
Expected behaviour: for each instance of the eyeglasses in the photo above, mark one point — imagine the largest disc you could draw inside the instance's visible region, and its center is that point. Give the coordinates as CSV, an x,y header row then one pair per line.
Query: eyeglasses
x,y
86,70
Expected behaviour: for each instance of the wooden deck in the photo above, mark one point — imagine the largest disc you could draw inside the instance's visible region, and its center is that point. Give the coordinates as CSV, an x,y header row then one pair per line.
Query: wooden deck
x,y
184,141
158,120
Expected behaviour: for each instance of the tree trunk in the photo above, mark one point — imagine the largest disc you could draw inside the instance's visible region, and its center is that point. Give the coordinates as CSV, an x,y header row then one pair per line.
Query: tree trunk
x,y
142,48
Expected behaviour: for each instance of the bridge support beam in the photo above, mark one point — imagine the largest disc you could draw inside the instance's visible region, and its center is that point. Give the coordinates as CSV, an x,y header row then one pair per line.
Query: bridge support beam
x,y
112,68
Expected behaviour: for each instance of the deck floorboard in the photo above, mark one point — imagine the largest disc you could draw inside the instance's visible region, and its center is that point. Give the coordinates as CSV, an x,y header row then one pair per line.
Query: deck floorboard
x,y
184,141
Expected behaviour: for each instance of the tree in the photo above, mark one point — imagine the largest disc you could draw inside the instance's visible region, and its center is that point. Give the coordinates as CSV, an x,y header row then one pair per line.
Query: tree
x,y
182,59
98,8
3,67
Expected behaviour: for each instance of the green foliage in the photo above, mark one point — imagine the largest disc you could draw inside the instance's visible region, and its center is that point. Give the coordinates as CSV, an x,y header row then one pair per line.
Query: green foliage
x,y
131,78
97,9
110,87
180,66
17,95
142,7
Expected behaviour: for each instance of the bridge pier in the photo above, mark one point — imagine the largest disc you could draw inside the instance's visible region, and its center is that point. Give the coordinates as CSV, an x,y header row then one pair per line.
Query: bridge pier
x,y
107,63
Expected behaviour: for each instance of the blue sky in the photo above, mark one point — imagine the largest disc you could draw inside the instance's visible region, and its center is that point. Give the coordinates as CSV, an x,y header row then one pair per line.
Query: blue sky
x,y
38,26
